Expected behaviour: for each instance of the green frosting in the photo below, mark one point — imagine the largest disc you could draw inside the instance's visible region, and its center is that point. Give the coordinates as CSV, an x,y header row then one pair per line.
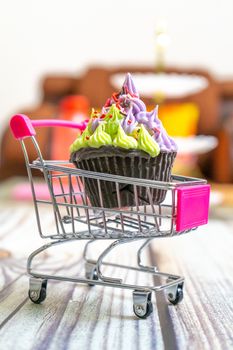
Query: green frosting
x,y
147,143
124,141
109,132
100,137
81,141
113,118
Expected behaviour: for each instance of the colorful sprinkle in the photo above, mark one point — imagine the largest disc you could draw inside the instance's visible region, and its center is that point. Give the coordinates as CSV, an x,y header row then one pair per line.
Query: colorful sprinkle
x,y
126,90
119,106
107,103
130,94
115,96
156,130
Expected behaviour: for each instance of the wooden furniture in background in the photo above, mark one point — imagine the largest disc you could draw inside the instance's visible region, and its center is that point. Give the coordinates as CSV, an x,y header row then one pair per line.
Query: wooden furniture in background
x,y
96,85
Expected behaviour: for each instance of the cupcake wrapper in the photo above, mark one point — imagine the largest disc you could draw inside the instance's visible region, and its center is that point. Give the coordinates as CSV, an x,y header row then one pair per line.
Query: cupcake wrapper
x,y
133,165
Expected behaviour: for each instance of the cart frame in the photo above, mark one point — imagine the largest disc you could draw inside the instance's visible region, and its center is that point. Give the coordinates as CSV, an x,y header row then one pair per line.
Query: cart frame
x,y
71,209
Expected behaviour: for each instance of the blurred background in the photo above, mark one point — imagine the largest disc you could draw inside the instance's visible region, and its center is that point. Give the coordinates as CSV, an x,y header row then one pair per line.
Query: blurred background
x,y
60,58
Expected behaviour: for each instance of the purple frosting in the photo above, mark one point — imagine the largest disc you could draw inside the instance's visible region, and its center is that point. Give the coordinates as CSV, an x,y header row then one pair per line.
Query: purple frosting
x,y
129,87
129,123
142,117
127,98
138,106
165,142
152,120
134,109
125,102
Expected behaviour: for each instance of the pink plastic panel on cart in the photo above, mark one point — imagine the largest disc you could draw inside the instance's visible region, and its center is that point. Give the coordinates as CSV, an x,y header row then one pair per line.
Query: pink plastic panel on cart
x,y
192,206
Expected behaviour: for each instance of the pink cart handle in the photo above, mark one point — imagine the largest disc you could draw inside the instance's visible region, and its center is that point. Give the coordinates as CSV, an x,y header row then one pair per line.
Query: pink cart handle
x,y
22,126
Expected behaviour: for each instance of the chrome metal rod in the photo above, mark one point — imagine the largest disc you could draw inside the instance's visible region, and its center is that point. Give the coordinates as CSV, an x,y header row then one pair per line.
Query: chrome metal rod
x,y
103,255
139,258
107,282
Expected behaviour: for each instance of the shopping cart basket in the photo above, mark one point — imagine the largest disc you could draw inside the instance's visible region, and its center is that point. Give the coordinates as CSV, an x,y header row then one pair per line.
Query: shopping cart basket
x,y
184,209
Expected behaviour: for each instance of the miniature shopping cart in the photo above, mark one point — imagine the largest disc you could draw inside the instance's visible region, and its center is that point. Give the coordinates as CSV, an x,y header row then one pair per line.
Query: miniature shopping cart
x,y
184,208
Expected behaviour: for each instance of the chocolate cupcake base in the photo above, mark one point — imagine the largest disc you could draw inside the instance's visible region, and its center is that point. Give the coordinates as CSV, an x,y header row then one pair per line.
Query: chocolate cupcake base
x,y
129,163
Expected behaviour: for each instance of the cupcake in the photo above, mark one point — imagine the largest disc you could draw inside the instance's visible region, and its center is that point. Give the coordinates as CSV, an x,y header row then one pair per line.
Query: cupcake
x,y
124,139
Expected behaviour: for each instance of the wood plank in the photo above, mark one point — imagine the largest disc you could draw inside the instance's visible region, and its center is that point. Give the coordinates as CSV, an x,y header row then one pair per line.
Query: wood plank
x,y
80,317
204,320
71,314
16,243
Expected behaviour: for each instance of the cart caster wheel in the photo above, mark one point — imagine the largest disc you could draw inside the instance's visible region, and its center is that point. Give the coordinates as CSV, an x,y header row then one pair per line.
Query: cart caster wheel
x,y
37,297
142,305
91,274
37,290
175,294
143,312
178,298
93,277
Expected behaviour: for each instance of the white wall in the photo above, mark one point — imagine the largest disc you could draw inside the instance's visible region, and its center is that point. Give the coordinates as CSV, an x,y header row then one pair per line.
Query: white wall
x,y
37,37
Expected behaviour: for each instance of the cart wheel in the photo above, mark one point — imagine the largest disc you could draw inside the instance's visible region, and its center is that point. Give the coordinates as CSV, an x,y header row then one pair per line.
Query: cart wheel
x,y
91,274
143,312
176,296
37,290
142,305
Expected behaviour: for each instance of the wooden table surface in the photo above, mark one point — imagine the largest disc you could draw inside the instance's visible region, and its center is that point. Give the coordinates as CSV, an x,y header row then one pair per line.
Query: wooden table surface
x,y
75,316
